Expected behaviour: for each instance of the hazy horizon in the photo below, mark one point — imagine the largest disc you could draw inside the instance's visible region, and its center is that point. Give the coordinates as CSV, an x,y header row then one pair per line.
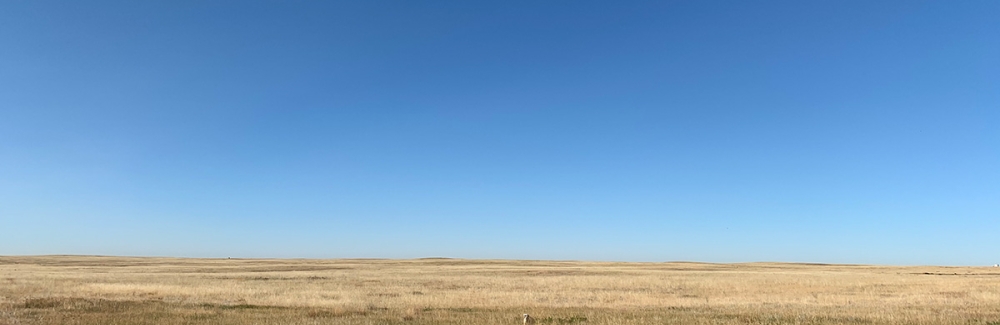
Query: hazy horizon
x,y
482,259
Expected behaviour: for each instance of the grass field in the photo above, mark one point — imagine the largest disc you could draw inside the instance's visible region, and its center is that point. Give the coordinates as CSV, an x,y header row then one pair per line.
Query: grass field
x,y
118,290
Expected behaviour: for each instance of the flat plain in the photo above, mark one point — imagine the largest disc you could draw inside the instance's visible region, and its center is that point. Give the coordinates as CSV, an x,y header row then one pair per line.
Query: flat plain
x,y
137,290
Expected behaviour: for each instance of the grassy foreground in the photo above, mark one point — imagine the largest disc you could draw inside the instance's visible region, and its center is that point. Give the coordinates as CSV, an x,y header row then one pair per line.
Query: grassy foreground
x,y
117,290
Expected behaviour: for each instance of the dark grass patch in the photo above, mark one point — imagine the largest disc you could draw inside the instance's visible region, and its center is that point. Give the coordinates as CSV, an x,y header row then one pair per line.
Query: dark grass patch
x,y
334,313
561,320
238,306
43,303
375,308
67,303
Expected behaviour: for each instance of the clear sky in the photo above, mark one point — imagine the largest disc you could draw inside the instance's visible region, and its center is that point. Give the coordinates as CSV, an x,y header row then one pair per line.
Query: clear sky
x,y
718,131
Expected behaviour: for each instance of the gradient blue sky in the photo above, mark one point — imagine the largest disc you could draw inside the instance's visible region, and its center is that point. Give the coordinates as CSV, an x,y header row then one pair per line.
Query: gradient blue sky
x,y
809,131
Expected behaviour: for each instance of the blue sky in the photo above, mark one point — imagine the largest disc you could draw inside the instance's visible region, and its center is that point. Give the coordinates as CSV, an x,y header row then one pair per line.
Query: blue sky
x,y
719,131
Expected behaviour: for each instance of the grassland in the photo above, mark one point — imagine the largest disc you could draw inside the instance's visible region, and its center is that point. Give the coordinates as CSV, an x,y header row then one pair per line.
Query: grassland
x,y
117,290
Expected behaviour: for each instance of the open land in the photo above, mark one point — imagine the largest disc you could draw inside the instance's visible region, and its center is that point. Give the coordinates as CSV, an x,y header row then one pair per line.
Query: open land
x,y
135,290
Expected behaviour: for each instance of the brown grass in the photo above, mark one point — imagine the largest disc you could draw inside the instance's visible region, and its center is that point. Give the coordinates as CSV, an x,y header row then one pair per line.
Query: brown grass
x,y
117,290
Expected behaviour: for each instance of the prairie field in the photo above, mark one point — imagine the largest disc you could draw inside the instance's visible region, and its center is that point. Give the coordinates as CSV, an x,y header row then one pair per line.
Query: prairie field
x,y
137,290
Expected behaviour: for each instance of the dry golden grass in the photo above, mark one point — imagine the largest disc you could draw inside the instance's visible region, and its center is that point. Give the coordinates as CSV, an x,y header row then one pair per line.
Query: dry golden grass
x,y
117,290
